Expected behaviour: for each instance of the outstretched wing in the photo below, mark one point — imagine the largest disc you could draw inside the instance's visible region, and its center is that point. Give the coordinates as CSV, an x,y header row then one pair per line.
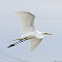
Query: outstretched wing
x,y
27,20
34,43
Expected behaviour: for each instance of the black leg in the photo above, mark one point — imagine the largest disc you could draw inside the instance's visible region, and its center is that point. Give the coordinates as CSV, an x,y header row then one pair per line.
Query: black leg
x,y
17,42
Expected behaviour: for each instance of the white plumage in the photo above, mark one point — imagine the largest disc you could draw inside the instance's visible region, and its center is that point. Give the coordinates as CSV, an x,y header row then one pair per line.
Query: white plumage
x,y
29,32
27,20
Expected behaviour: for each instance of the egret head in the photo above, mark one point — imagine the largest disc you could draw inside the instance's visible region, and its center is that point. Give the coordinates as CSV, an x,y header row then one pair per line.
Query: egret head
x,y
44,33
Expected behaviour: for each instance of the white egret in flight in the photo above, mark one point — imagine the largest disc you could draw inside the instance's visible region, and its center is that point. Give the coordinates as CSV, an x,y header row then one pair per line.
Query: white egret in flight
x,y
29,32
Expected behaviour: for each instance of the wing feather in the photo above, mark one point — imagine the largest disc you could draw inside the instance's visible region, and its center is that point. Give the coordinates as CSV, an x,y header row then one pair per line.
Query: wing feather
x,y
34,43
27,20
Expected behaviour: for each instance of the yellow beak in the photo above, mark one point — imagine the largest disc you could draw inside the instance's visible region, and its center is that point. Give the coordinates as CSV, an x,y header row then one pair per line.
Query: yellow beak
x,y
49,34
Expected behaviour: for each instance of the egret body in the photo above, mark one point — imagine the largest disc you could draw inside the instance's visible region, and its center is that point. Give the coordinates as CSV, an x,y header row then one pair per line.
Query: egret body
x,y
28,30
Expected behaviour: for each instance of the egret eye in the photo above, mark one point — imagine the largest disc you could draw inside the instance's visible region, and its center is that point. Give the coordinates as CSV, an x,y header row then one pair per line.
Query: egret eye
x,y
45,33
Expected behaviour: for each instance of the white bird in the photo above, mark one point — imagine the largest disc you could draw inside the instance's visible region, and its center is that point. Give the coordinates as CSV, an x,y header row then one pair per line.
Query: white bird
x,y
29,32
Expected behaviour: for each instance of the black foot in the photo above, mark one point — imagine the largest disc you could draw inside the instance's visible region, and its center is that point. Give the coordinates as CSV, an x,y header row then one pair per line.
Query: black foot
x,y
11,45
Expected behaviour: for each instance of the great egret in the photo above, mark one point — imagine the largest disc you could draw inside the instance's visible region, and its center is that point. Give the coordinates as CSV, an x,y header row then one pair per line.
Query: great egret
x,y
29,32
